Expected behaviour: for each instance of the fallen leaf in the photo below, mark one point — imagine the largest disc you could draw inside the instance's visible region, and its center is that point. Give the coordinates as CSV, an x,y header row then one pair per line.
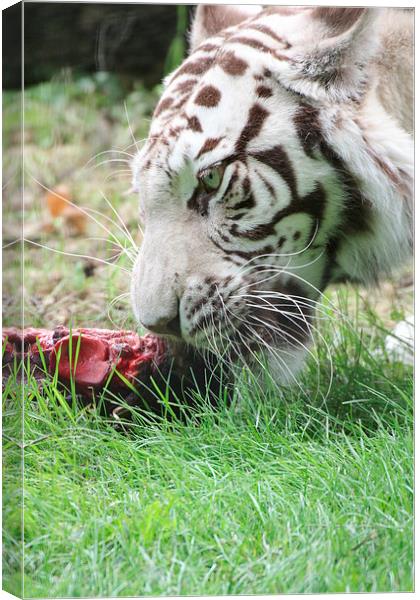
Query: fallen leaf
x,y
60,205
58,200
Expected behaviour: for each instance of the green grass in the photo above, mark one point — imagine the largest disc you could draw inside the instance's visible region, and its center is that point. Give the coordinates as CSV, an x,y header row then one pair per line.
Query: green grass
x,y
280,492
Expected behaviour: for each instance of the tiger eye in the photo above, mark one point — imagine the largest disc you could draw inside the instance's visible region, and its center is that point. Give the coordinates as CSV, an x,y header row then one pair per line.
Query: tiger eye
x,y
212,178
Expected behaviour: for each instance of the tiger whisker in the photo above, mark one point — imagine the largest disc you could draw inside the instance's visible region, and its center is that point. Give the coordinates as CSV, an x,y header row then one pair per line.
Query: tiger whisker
x,y
126,251
210,343
312,328
276,270
111,304
274,255
100,260
87,212
252,352
242,271
107,152
317,290
118,173
212,330
296,317
276,355
244,343
287,268
260,281
289,315
302,317
129,126
109,161
284,332
140,141
303,301
242,338
305,282
117,214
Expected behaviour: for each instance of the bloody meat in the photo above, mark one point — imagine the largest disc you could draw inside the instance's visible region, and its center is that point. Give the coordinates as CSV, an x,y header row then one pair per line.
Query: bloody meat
x,y
119,361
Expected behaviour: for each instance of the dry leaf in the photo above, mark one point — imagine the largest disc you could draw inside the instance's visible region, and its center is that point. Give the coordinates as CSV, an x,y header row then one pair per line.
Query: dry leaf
x,y
58,200
61,205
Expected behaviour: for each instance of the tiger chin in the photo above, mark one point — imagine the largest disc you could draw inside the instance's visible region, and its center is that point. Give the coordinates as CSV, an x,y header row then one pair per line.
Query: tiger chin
x,y
279,160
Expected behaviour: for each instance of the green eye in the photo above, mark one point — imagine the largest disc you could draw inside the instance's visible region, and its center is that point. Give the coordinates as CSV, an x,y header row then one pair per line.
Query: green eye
x,y
212,178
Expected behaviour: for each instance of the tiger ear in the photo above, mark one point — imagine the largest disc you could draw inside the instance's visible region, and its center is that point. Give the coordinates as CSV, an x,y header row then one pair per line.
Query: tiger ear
x,y
209,19
328,51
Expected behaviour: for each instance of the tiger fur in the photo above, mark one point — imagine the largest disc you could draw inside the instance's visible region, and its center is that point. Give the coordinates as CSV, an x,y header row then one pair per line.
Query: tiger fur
x,y
302,118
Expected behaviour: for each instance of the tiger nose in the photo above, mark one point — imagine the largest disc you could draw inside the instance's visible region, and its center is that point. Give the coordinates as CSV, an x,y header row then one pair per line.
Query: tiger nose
x,y
168,325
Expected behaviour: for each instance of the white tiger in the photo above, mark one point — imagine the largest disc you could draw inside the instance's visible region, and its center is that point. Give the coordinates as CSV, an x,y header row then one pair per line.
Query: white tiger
x,y
279,159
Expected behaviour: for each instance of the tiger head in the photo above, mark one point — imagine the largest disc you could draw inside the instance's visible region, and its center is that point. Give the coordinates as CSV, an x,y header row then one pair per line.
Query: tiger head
x,y
272,168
